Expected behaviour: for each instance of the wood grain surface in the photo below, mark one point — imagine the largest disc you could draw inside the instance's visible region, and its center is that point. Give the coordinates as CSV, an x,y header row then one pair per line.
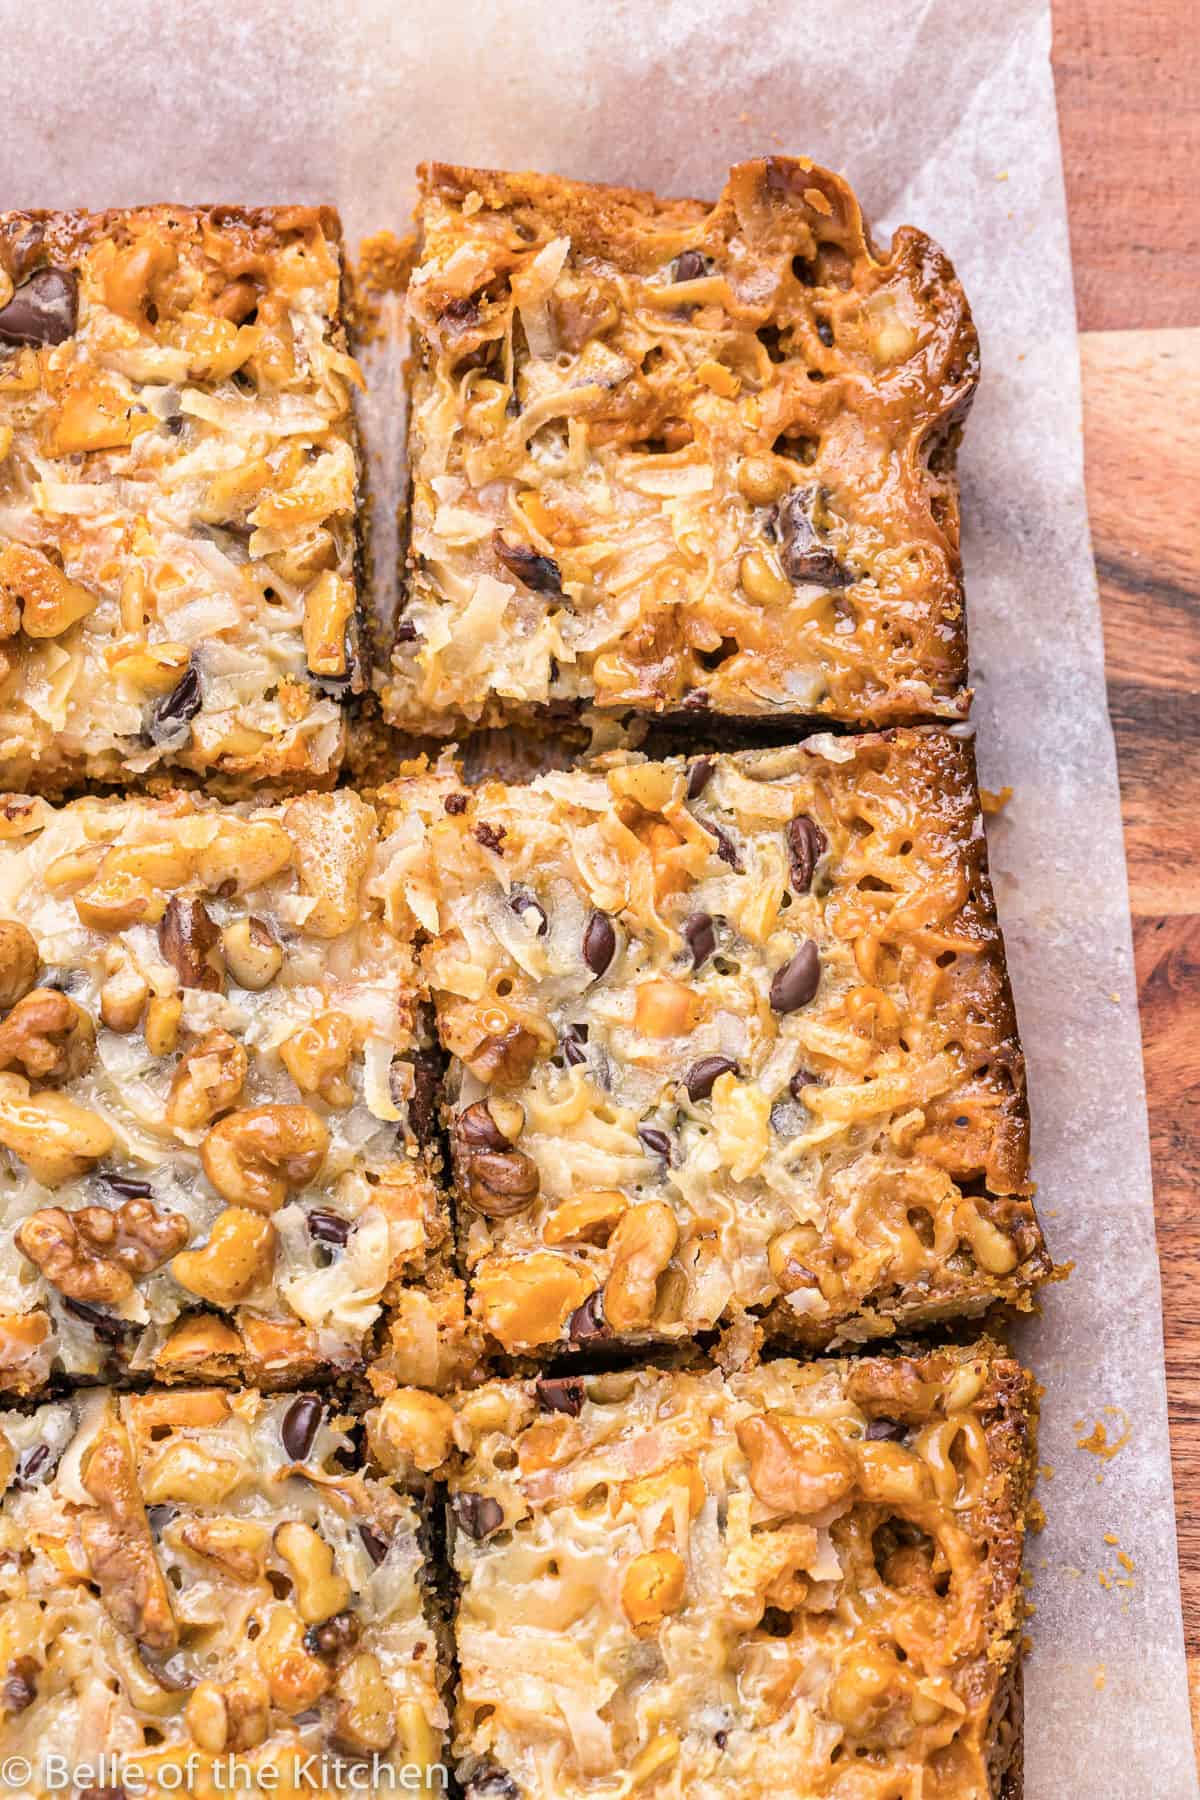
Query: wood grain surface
x,y
1128,81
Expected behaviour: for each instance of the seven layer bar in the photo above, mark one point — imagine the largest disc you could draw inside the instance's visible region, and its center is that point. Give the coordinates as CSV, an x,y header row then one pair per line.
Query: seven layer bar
x,y
731,1039
178,495
668,455
798,1579
189,1576
214,1102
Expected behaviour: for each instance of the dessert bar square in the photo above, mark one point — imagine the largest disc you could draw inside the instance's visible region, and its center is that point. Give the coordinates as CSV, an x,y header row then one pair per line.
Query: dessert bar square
x,y
188,1574
216,1098
178,483
667,455
730,1038
801,1579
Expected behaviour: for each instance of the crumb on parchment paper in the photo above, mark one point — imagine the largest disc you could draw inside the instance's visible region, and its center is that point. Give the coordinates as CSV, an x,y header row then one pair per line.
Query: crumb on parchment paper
x,y
384,266
994,800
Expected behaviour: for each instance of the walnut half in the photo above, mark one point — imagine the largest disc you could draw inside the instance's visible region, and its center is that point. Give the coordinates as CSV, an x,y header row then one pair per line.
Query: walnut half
x,y
94,1254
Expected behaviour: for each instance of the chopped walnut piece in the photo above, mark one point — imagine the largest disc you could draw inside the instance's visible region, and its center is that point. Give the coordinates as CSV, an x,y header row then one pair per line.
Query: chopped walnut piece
x,y
93,1254
48,1036
119,1547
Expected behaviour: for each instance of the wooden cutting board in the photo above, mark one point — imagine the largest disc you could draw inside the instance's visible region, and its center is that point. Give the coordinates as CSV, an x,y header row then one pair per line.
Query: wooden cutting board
x,y
1128,79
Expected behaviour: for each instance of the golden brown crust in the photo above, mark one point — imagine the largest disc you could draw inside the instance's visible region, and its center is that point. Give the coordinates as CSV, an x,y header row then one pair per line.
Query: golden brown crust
x,y
178,475
730,1038
818,1596
647,439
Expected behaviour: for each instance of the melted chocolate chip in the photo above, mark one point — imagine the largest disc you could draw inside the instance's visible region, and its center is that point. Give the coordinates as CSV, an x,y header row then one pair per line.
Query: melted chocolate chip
x,y
726,848
455,804
699,775
702,1075
805,559
657,1142
573,1038
328,1228
102,1324
491,837
333,1637
794,985
374,1545
806,845
128,1187
561,1394
599,943
890,1430
689,265
299,1427
43,310
800,1080
493,1784
522,902
477,1514
34,1463
588,1321
170,716
541,574
407,633
700,936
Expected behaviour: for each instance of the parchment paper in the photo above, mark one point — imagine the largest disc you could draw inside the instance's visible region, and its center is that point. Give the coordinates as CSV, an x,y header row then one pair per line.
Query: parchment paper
x,y
941,113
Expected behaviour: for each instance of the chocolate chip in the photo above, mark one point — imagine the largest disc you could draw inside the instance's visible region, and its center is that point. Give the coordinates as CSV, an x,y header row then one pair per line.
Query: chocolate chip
x,y
699,774
726,848
460,313
43,310
493,1784
541,574
32,1464
374,1545
825,333
170,716
702,1075
588,1321
599,943
657,1142
127,1187
455,804
689,265
407,633
720,1739
491,837
806,845
104,1326
333,1637
572,1041
805,559
20,1684
795,984
561,1394
299,1426
890,1429
701,937
328,1228
478,1130
800,1080
522,902
477,1514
